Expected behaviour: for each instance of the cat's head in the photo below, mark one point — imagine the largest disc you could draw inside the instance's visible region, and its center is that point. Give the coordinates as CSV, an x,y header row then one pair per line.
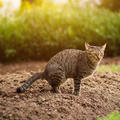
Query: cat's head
x,y
95,53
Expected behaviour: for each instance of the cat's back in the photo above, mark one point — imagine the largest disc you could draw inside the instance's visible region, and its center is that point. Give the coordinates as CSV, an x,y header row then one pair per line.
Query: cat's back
x,y
65,56
64,61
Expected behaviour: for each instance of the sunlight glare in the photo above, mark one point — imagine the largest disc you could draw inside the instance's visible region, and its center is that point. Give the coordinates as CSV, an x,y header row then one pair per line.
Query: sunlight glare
x,y
9,6
60,1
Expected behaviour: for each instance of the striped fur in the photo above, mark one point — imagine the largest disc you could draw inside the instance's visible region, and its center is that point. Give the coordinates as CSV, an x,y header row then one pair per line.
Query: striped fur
x,y
69,63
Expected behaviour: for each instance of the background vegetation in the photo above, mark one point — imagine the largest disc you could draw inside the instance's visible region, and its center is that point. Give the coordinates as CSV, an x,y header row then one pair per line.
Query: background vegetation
x,y
38,32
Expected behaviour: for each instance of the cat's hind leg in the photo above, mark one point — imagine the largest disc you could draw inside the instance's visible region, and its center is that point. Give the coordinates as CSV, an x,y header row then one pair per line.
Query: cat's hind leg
x,y
55,76
55,81
77,82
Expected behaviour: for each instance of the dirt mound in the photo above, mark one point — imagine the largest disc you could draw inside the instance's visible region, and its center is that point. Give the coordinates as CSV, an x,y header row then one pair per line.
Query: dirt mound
x,y
99,96
26,66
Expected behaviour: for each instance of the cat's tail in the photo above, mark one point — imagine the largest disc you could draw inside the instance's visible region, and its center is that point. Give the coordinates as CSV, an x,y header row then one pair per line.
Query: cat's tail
x,y
30,81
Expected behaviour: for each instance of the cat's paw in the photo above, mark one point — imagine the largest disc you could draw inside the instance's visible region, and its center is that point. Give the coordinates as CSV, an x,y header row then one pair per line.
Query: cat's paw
x,y
56,90
76,93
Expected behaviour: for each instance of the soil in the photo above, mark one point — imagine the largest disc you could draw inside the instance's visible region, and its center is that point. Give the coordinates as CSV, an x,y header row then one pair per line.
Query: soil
x,y
99,95
114,60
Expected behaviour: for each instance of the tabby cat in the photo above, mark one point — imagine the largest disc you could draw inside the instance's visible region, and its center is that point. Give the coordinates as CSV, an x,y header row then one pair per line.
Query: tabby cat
x,y
69,63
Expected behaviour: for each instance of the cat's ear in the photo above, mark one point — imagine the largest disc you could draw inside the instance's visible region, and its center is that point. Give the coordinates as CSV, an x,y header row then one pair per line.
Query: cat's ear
x,y
87,46
103,47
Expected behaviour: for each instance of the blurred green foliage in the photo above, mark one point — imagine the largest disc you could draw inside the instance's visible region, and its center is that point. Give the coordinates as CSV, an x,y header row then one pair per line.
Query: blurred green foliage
x,y
112,116
40,32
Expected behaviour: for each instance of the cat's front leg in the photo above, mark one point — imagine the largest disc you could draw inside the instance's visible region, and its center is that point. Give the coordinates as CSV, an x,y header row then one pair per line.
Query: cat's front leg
x,y
77,82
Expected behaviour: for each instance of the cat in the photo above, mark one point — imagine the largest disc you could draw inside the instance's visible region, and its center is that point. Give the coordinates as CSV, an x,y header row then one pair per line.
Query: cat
x,y
69,63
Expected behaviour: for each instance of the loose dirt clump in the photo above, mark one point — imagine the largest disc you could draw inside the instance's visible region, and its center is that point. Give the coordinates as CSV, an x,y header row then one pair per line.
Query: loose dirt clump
x,y
99,96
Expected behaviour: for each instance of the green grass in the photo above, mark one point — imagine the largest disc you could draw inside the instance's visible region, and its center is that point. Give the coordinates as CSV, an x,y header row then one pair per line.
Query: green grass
x,y
112,116
106,68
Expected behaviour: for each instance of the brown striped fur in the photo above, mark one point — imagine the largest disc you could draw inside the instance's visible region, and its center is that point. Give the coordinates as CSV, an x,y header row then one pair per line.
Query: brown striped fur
x,y
69,63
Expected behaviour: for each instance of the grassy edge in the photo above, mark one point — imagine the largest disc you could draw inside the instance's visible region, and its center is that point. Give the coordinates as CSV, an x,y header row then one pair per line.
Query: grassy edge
x,y
112,116
109,68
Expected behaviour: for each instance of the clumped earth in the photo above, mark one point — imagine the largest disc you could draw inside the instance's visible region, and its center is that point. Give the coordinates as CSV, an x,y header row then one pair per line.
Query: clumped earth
x,y
99,96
